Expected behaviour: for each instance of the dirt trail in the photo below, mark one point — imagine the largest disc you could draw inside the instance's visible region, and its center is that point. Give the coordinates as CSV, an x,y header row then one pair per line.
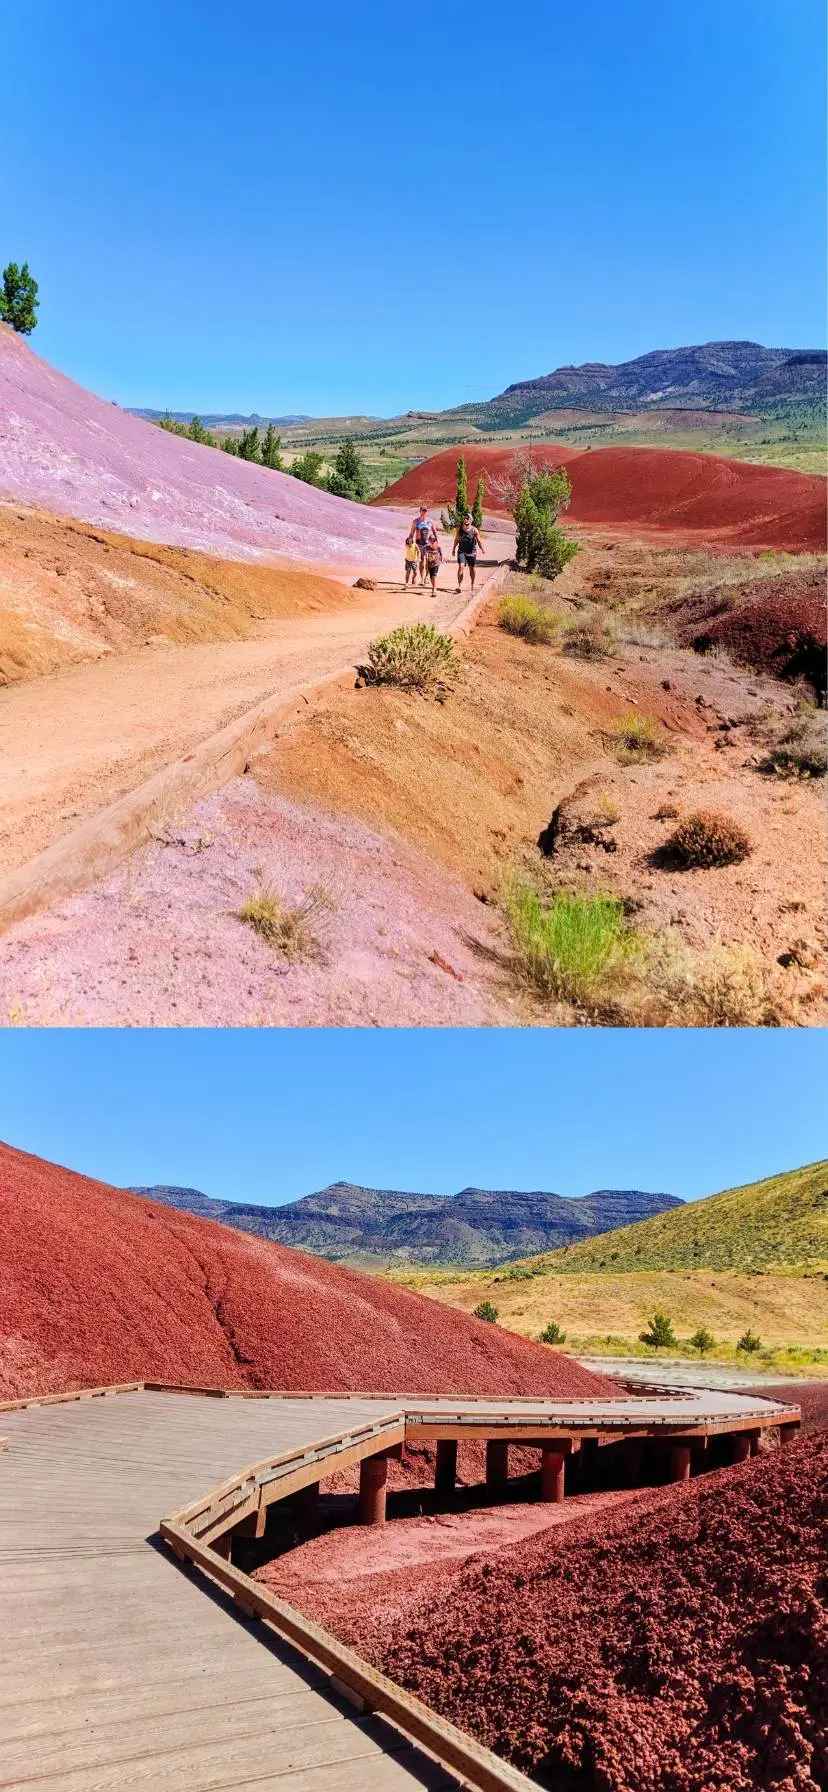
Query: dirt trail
x,y
73,742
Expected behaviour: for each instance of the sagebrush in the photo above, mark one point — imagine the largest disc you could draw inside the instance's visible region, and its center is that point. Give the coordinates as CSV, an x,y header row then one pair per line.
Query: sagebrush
x,y
414,657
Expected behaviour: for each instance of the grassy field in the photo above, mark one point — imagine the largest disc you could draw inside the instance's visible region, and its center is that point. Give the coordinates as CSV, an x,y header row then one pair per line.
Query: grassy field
x,y
753,1259
603,1314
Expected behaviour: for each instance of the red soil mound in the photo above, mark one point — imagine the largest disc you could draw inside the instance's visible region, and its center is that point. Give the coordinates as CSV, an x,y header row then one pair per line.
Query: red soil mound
x,y
679,1644
97,1285
777,625
652,488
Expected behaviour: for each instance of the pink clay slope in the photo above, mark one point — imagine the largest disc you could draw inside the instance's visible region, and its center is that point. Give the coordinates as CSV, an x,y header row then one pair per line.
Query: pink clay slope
x,y
62,449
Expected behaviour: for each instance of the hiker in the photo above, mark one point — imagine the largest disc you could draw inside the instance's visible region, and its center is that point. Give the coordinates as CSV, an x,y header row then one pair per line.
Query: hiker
x,y
466,543
434,555
422,531
412,559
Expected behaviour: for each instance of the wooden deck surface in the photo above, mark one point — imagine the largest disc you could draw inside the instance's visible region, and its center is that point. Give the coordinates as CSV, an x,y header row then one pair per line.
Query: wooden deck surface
x,y
121,1669
118,1668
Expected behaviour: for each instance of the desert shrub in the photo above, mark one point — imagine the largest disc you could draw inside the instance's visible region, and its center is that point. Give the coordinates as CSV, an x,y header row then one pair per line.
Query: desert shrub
x,y
486,1311
290,928
415,657
659,1334
749,1343
702,1340
799,749
725,986
638,739
706,839
589,641
520,616
666,812
574,948
552,1333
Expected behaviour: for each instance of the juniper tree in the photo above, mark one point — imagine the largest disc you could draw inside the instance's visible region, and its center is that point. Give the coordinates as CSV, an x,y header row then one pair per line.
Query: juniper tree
x,y
248,448
272,450
18,299
477,507
348,479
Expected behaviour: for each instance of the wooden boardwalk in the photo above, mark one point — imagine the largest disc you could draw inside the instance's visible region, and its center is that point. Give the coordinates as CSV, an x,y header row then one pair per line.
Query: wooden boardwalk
x,y
124,1669
118,1669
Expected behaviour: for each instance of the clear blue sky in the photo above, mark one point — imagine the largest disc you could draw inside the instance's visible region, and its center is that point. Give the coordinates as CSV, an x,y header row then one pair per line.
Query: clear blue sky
x,y
331,209
271,1116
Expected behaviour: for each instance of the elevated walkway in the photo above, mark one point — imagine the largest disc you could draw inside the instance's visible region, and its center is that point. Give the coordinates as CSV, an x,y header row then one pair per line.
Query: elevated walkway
x,y
121,1668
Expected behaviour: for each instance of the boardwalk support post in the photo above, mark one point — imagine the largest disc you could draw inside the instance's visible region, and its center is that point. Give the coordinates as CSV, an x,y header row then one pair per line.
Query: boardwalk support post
x,y
680,1462
497,1466
553,1470
787,1433
373,1480
445,1470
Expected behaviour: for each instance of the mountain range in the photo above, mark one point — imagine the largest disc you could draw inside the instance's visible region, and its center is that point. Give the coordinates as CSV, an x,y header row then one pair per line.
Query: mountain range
x,y
710,376
382,1227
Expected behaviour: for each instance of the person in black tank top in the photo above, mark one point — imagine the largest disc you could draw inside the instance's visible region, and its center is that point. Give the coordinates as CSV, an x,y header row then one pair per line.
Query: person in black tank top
x,y
466,543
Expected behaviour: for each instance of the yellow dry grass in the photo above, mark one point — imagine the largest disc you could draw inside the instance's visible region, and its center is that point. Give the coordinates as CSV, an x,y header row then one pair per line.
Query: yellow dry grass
x,y
782,1309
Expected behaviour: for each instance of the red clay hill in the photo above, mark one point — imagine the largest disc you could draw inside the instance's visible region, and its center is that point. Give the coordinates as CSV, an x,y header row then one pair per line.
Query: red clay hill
x,y
682,496
97,1286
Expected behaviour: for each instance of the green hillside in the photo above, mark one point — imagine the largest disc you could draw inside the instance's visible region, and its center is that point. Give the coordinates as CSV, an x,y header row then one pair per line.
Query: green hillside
x,y
779,1224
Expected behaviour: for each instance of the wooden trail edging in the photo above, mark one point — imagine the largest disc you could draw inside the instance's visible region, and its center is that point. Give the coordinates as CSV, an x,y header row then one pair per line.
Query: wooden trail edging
x,y
94,848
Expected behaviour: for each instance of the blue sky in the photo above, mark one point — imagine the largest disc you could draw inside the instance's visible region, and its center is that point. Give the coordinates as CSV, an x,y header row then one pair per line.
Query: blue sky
x,y
271,1116
332,209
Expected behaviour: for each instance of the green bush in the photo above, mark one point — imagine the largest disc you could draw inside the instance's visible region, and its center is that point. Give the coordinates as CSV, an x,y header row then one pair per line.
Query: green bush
x,y
541,547
659,1334
486,1311
18,298
308,467
702,1340
520,616
415,657
749,1343
552,1333
706,839
638,739
572,948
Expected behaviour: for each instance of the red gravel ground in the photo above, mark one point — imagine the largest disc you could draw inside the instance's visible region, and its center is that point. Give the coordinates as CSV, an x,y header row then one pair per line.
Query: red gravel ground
x,y
97,1286
652,488
679,1645
777,626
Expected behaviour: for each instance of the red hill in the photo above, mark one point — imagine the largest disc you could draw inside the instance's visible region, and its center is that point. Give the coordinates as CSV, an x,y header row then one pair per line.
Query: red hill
x,y
97,1286
683,495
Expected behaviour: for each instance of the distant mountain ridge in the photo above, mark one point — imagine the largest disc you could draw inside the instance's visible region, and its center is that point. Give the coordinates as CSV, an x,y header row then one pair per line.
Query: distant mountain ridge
x,y
476,1227
709,376
210,418
732,376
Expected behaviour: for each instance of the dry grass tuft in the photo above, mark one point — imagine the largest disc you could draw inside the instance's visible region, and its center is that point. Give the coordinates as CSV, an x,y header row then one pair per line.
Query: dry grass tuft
x,y
638,740
292,929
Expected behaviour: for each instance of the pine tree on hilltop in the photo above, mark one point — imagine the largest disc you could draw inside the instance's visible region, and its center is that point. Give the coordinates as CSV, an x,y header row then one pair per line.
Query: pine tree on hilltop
x,y
18,299
271,450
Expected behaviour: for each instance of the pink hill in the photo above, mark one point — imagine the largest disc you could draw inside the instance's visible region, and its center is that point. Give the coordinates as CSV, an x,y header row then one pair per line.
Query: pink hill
x,y
62,449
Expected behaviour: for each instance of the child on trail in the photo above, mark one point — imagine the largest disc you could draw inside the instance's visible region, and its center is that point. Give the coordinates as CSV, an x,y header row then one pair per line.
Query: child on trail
x,y
412,559
434,555
466,543
422,531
